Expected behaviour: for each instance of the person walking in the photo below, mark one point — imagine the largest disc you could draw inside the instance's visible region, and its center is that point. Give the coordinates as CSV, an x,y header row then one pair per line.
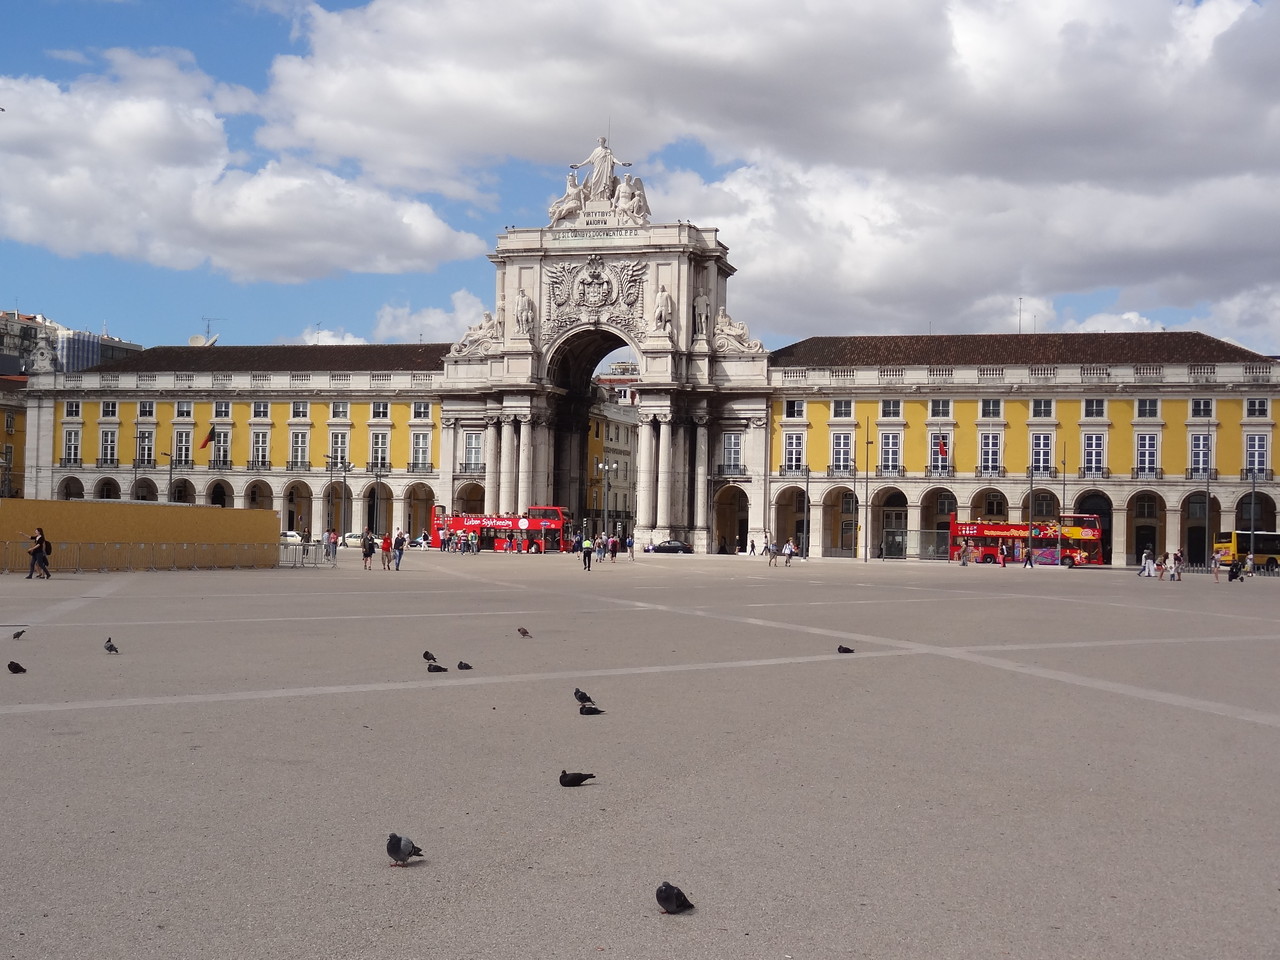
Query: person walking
x,y
788,551
1162,566
751,552
588,548
1148,563
1004,554
631,548
386,551
397,548
1216,563
1028,558
964,553
613,549
367,546
39,554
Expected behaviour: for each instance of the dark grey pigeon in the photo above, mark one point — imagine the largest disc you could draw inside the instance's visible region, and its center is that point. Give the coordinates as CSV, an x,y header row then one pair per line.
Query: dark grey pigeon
x,y
110,647
582,696
587,710
463,665
568,779
428,656
672,899
16,667
843,649
436,668
18,635
524,633
400,849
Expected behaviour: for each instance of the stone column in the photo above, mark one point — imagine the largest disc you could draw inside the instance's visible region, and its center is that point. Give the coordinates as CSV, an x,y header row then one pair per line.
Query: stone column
x,y
1172,528
756,458
662,521
490,465
317,511
541,457
1120,537
644,475
526,463
507,475
448,464
701,492
915,521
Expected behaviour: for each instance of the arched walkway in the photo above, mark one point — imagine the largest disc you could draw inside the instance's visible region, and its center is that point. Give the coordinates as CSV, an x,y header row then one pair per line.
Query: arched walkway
x,y
729,515
145,489
71,489
107,489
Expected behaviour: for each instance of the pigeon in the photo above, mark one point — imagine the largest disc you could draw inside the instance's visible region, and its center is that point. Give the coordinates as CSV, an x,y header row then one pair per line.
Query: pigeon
x,y
18,635
843,649
428,656
436,668
672,899
400,849
568,779
16,667
587,710
582,696
524,633
110,647
463,665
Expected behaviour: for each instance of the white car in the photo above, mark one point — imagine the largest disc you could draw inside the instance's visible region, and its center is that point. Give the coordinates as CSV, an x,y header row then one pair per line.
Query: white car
x,y
290,536
352,539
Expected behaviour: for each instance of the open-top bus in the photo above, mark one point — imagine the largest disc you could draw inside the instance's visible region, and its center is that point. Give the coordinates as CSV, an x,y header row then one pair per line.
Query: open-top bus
x,y
1078,535
541,529
1238,544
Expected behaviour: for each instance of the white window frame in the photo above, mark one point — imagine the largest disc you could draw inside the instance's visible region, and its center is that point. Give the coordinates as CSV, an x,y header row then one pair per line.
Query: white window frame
x,y
420,448
1040,402
108,443
183,410
1041,454
473,448
990,453
110,409
890,409
145,446
841,409
146,409
891,451
731,445
987,405
262,410
1257,407
793,450
842,450
380,449
380,410
340,410
222,409
939,409
1094,454
1146,459
182,446
71,447
1201,449
1102,408
260,446
1256,452
299,446
300,410
422,409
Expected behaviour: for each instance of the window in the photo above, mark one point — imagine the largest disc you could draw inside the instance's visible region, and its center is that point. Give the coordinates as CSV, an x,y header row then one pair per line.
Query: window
x,y
793,409
222,409
298,454
1149,407
1095,408
71,445
107,449
1042,453
1255,407
793,451
261,410
841,409
71,410
221,452
420,449
940,409
939,451
380,449
381,410
1201,455
10,421
842,451
997,505
1145,507
946,505
1094,455
109,409
1044,505
732,450
989,453
991,410
1255,452
182,410
259,452
338,447
339,410
848,503
146,409
891,450
421,410
181,446
1042,408
890,409
301,410
473,448
1148,452
1202,408
146,447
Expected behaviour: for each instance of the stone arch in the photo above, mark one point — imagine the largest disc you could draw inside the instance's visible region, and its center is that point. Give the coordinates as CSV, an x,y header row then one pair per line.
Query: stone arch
x,y
1096,502
1196,525
983,502
71,489
258,496
182,490
295,505
220,494
840,509
373,509
1259,517
469,498
1042,502
890,514
144,489
790,504
730,507
339,510
937,505
419,504
1146,511
106,489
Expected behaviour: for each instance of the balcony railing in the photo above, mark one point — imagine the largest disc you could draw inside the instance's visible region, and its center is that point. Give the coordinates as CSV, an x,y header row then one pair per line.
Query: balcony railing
x,y
890,472
1042,473
378,466
1147,473
219,463
69,462
144,463
989,472
731,470
793,471
1257,475
940,472
107,462
1200,473
260,465
421,466
1094,473
471,469
842,472
299,465
182,462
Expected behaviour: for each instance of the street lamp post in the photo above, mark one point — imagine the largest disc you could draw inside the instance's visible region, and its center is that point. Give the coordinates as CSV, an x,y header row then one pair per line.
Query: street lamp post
x,y
808,510
1062,507
866,507
168,491
378,474
604,470
342,464
1253,510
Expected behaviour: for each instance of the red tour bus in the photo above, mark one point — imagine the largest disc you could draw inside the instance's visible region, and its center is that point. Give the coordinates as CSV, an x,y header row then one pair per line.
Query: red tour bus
x,y
541,529
1078,534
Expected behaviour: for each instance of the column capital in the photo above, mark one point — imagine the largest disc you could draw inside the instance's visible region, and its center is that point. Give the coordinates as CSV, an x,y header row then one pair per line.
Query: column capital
x,y
448,421
663,417
701,419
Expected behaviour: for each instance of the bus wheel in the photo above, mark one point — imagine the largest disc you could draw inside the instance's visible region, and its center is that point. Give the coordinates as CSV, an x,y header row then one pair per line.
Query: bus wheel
x,y
1068,562
988,559
1272,563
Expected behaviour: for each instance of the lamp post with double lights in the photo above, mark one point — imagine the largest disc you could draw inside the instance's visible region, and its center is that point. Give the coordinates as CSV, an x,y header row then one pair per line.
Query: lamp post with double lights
x,y
340,464
866,506
604,469
1253,511
168,491
379,470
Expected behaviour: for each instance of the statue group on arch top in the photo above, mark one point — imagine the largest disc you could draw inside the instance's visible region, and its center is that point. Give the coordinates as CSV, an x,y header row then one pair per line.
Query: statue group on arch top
x,y
624,195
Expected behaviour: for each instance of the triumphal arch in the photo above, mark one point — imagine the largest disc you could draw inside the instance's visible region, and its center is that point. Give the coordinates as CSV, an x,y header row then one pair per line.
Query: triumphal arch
x,y
600,275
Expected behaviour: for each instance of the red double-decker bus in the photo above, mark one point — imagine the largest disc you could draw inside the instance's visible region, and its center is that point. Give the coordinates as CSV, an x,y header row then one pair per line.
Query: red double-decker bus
x,y
542,529
1073,540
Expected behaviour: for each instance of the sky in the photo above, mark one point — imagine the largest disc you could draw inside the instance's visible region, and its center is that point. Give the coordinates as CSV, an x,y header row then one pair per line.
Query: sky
x,y
284,171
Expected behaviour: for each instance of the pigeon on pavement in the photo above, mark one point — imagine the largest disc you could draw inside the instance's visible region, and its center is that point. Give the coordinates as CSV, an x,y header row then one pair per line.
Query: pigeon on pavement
x,y
18,635
110,646
672,899
524,633
582,696
436,668
463,665
428,656
843,649
16,667
400,849
587,710
568,779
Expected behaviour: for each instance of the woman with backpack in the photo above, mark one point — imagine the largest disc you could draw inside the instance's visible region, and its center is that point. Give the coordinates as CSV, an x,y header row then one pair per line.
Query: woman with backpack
x,y
39,553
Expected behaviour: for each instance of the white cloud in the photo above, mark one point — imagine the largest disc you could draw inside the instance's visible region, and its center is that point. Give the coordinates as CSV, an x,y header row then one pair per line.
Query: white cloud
x,y
398,322
320,335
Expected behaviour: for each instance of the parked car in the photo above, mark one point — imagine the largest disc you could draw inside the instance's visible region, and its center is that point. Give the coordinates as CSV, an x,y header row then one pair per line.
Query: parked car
x,y
290,536
673,546
351,539
420,542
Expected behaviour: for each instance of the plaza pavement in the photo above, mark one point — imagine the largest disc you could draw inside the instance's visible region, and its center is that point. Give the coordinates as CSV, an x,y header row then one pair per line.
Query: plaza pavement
x,y
1014,763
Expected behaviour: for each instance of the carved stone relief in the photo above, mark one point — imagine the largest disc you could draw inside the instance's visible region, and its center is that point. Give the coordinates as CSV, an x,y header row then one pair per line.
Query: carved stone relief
x,y
596,292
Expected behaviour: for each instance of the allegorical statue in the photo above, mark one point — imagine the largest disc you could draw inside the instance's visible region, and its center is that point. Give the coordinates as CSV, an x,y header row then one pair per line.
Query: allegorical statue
x,y
570,205
629,200
601,184
526,313
731,337
479,337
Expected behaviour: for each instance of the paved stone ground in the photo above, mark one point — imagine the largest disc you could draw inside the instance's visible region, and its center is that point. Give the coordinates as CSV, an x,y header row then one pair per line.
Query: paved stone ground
x,y
1014,763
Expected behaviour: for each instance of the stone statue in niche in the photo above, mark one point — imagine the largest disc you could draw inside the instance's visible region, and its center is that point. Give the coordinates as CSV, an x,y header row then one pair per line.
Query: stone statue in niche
x,y
601,183
526,313
731,337
664,309
480,338
570,205
701,312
